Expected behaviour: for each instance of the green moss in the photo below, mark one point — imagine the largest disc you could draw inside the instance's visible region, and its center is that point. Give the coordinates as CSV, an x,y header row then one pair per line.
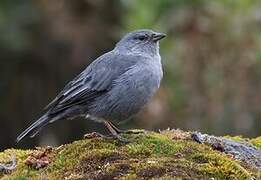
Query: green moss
x,y
154,144
148,155
21,168
219,166
237,138
256,141
72,154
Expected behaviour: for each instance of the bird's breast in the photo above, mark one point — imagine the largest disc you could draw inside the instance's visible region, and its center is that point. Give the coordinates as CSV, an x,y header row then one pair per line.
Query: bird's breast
x,y
130,92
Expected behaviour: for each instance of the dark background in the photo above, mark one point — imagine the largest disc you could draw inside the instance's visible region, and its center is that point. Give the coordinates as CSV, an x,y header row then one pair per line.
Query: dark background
x,y
211,58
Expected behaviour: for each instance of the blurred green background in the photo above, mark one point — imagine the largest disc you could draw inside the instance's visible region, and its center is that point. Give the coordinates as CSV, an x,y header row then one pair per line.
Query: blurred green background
x,y
211,58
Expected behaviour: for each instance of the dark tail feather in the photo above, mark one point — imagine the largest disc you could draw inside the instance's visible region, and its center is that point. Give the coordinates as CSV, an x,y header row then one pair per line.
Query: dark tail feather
x,y
34,128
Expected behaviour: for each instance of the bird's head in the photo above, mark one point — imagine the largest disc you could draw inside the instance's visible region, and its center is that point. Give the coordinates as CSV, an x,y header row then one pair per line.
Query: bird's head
x,y
141,42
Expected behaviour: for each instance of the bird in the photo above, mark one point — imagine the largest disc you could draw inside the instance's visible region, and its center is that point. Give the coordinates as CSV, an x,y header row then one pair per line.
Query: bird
x,y
113,88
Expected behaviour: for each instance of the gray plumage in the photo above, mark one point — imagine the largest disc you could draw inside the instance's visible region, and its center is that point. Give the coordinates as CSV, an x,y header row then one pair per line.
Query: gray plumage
x,y
114,87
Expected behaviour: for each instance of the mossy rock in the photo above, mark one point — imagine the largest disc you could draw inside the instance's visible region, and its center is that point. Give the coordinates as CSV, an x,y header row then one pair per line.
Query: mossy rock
x,y
148,155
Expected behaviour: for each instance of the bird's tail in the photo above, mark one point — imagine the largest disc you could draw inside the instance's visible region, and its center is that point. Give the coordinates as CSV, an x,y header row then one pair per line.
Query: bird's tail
x,y
34,128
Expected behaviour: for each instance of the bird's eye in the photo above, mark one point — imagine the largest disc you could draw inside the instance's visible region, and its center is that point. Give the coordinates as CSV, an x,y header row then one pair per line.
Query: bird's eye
x,y
141,38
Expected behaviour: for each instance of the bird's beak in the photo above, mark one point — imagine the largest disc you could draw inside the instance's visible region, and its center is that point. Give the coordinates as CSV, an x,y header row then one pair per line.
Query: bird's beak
x,y
158,36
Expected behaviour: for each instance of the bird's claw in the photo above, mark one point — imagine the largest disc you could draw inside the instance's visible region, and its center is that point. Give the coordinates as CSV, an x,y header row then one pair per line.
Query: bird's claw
x,y
132,131
110,137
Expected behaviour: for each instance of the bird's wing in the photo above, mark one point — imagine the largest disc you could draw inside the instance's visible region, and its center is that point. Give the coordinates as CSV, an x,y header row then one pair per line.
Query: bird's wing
x,y
93,81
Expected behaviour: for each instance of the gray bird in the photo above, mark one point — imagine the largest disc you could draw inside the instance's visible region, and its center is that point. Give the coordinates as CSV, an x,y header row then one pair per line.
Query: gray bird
x,y
113,87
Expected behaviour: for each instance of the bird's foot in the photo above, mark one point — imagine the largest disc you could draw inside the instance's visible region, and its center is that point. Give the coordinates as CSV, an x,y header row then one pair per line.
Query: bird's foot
x,y
110,137
134,131
121,139
115,132
120,131
93,135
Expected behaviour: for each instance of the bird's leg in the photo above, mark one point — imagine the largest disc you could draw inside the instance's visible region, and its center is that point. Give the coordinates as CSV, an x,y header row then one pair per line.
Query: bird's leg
x,y
111,127
119,131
